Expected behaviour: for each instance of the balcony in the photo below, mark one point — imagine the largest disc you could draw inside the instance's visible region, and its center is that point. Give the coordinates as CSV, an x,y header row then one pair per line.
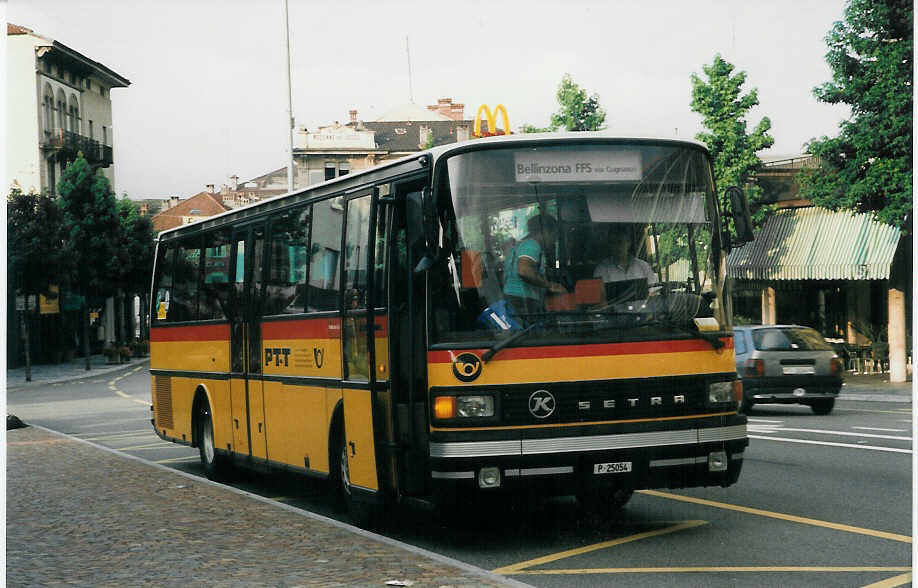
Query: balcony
x,y
66,144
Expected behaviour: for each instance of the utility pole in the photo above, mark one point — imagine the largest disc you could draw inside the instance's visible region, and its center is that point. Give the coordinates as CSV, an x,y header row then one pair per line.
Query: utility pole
x,y
410,90
289,97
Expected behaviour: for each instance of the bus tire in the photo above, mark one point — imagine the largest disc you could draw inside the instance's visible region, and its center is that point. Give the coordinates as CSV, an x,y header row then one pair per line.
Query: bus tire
x,y
361,514
216,466
604,504
823,406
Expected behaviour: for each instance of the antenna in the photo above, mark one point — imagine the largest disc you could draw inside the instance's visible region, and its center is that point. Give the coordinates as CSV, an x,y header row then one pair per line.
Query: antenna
x,y
408,52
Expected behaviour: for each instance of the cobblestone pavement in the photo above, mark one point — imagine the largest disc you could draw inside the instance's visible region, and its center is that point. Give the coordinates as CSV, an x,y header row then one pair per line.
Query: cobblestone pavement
x,y
79,515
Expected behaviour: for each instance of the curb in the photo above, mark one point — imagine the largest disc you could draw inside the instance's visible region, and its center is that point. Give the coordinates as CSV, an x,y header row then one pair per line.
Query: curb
x,y
83,375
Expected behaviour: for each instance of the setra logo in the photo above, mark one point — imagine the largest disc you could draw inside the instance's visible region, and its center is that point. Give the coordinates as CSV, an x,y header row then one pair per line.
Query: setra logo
x,y
541,404
467,367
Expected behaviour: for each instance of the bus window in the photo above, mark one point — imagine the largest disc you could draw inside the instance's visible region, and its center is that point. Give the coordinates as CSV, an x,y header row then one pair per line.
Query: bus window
x,y
214,302
286,280
163,287
324,252
187,271
356,249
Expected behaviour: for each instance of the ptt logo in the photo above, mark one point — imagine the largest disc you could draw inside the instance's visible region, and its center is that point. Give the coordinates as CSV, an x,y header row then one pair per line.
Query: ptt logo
x,y
466,367
277,355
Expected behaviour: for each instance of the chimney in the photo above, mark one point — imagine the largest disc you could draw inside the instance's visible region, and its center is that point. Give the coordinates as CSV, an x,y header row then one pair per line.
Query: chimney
x,y
353,115
235,182
456,111
210,188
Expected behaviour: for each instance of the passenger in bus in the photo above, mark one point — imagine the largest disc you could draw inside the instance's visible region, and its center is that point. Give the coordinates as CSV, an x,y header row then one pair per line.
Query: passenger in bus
x,y
622,264
525,283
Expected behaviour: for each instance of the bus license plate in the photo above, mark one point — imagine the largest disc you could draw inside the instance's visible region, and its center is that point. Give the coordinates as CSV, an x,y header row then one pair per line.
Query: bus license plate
x,y
618,467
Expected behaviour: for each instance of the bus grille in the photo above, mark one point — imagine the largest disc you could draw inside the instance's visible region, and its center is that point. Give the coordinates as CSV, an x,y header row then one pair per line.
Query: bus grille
x,y
163,391
608,400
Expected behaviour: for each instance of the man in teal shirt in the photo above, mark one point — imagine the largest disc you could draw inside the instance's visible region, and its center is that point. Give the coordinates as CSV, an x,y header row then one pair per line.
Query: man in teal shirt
x,y
524,280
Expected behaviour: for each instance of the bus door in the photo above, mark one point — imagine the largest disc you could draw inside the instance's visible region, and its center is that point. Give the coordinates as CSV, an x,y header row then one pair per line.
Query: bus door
x,y
405,314
246,393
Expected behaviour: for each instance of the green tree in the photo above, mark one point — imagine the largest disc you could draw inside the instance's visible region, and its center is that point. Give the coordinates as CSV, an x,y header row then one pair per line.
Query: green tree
x,y
868,166
91,228
35,259
719,100
135,255
577,110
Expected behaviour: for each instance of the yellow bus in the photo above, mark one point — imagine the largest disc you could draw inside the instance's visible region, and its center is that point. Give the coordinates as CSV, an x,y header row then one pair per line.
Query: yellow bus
x,y
530,313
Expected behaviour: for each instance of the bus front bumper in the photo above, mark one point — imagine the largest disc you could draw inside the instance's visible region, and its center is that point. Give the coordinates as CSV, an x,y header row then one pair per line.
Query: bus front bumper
x,y
685,458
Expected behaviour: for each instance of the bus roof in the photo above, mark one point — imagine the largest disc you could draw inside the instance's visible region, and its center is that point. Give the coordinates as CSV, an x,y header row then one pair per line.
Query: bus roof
x,y
437,153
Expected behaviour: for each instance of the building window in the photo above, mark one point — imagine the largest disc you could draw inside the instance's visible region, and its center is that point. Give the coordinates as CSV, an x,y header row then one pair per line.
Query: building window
x,y
101,91
330,170
91,136
344,168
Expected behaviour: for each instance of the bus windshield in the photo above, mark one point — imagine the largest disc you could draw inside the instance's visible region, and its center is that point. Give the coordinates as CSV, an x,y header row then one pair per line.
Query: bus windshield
x,y
575,243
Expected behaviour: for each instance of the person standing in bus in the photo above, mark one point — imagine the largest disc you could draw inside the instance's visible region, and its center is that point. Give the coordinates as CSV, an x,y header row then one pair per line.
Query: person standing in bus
x,y
525,283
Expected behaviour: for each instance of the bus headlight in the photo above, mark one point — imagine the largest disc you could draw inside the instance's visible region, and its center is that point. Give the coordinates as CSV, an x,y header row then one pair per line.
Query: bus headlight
x,y
452,407
720,393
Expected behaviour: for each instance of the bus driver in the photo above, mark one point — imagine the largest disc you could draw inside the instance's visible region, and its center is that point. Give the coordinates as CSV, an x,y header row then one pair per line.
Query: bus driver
x,y
622,264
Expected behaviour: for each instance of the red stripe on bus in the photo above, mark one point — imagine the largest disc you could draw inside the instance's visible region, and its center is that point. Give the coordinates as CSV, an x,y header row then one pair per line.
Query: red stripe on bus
x,y
191,333
601,349
321,328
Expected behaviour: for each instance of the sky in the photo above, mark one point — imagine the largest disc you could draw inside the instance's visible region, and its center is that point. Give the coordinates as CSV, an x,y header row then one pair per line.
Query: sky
x,y
208,96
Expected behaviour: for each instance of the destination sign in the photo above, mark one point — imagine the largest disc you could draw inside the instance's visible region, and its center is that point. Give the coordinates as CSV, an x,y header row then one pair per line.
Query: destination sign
x,y
577,166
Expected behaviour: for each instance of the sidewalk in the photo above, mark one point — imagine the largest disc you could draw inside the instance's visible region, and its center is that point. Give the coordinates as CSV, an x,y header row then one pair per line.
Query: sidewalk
x,y
82,515
875,388
66,371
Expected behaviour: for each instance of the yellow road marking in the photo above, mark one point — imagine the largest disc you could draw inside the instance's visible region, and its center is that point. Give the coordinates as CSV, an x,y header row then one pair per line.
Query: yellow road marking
x,y
161,445
781,516
113,388
177,459
702,569
516,568
892,582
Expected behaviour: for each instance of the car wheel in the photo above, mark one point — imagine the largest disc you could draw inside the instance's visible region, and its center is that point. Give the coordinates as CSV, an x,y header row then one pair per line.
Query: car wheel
x,y
217,467
823,406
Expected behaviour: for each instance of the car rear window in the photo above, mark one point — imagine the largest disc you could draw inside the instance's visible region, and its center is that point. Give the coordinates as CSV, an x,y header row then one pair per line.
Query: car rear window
x,y
789,339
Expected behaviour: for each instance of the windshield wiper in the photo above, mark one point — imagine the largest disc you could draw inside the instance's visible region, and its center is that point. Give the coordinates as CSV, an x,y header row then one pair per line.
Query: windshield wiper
x,y
494,349
712,340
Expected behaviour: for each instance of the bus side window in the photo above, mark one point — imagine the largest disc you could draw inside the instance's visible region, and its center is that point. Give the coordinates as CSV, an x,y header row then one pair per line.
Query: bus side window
x,y
354,330
324,254
186,275
215,287
163,286
286,280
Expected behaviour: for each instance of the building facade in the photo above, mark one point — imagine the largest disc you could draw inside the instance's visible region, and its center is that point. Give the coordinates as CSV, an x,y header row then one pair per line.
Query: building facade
x,y
58,104
842,273
338,149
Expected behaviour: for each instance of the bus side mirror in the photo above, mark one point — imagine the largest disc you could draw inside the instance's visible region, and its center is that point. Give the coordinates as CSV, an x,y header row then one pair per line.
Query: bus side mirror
x,y
742,219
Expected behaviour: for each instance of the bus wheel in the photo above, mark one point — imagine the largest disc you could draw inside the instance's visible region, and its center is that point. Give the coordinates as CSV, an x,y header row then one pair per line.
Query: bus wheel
x,y
216,466
604,504
823,406
362,514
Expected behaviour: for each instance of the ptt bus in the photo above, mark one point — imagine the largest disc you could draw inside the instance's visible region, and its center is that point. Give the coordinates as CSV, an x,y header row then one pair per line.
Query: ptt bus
x,y
359,330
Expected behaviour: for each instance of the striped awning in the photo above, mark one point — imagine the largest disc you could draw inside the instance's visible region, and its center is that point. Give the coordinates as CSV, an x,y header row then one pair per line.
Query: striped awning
x,y
816,244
